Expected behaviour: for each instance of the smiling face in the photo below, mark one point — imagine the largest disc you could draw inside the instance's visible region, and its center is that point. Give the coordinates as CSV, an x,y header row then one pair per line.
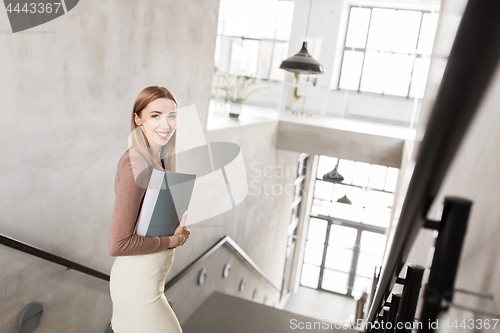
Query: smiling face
x,y
158,120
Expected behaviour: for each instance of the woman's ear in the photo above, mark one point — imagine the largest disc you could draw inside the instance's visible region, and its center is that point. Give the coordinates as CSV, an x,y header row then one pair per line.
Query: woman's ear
x,y
137,120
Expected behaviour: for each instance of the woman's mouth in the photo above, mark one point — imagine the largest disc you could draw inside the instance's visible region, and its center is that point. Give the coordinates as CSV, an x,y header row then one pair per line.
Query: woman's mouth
x,y
162,135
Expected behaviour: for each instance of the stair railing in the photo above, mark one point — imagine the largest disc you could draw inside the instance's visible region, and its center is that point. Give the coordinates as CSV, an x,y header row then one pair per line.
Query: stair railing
x,y
472,61
18,245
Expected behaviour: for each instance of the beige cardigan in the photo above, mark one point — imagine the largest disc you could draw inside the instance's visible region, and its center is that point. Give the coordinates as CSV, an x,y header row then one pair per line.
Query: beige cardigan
x,y
130,187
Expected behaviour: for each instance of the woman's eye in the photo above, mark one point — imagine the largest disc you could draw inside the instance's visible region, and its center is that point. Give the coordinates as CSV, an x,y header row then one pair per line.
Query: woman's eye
x,y
156,115
172,116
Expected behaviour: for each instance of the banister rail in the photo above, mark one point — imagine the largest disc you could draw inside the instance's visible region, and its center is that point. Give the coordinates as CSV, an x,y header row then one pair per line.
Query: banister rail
x,y
18,245
471,64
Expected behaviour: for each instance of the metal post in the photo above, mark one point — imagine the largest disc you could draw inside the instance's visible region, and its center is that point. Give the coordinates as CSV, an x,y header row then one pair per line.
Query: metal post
x,y
380,320
393,312
439,289
374,284
409,299
385,316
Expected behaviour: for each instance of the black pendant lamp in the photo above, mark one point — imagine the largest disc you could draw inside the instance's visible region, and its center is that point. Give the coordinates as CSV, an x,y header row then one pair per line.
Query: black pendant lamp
x,y
345,200
334,176
302,62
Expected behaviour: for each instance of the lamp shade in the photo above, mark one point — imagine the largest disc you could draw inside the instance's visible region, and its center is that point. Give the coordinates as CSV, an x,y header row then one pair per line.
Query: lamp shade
x,y
302,63
334,176
345,200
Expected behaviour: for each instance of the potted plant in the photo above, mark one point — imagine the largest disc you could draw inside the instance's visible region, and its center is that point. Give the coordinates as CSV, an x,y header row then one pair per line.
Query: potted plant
x,y
295,95
238,89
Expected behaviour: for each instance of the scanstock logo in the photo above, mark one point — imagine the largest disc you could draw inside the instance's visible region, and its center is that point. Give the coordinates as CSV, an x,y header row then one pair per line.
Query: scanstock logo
x,y
28,14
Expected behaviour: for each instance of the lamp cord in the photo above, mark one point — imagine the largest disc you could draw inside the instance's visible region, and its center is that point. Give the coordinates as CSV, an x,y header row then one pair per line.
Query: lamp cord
x,y
308,16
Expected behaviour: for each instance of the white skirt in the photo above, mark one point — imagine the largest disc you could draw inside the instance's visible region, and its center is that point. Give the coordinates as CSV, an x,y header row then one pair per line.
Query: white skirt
x,y
137,285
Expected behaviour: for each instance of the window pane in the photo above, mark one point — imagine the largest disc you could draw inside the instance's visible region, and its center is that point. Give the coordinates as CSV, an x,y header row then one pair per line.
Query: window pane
x,y
313,253
339,191
367,263
419,77
377,176
256,19
341,236
376,217
285,17
361,174
361,284
270,19
427,32
264,59
310,276
346,212
317,230
374,72
392,179
338,258
406,31
244,57
335,281
358,27
398,75
217,51
231,17
346,169
325,165
379,200
381,29
372,243
323,190
321,207
351,70
280,54
226,44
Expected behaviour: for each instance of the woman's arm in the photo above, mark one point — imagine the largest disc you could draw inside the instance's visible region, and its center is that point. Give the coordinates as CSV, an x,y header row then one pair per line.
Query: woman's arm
x,y
122,240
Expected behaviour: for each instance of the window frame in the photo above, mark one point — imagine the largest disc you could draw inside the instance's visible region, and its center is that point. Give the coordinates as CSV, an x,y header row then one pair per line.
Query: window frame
x,y
360,227
274,42
415,54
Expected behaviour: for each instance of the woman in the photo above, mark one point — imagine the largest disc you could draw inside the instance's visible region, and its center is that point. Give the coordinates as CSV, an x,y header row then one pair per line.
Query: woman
x,y
142,263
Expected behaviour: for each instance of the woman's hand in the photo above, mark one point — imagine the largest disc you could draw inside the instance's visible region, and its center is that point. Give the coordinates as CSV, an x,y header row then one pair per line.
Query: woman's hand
x,y
182,232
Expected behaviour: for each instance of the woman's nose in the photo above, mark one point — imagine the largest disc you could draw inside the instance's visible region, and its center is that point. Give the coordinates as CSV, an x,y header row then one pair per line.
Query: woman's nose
x,y
164,120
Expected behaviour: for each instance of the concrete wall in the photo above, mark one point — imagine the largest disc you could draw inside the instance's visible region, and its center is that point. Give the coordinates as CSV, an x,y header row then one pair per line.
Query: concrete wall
x,y
67,89
346,144
258,224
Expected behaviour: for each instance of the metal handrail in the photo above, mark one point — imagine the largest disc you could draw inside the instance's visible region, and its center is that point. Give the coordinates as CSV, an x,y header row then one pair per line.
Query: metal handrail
x,y
18,245
471,64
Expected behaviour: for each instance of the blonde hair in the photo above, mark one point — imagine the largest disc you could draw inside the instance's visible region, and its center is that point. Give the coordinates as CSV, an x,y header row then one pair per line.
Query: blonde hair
x,y
140,142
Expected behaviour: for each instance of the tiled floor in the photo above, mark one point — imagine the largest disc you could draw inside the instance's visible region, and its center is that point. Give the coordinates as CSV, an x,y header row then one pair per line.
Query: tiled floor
x,y
321,305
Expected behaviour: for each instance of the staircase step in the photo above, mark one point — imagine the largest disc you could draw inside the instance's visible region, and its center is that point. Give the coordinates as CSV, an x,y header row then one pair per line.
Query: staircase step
x,y
222,313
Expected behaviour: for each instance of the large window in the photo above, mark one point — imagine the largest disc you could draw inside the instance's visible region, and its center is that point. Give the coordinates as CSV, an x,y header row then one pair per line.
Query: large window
x,y
252,37
346,235
387,51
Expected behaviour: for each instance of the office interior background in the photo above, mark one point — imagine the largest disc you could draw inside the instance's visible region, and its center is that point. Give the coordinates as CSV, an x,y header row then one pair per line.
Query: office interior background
x,y
67,89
